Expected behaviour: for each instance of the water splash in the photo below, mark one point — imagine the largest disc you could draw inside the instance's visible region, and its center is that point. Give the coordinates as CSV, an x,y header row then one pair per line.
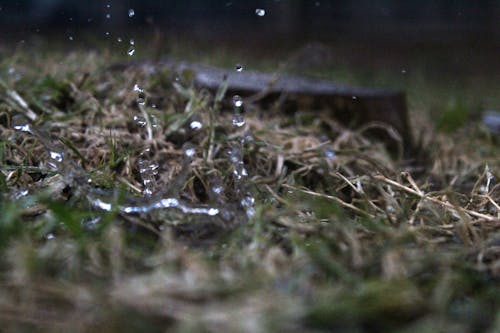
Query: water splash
x,y
148,171
164,203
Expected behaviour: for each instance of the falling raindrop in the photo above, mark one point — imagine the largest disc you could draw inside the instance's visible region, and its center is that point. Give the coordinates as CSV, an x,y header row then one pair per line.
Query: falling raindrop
x,y
140,121
70,38
131,12
108,16
141,98
24,128
248,204
329,153
148,171
189,150
238,120
56,156
119,40
237,101
195,125
216,186
131,51
239,68
107,33
132,42
55,159
260,12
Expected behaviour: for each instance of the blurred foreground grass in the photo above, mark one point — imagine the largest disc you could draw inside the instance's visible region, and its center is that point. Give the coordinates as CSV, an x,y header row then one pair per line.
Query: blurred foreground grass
x,y
342,236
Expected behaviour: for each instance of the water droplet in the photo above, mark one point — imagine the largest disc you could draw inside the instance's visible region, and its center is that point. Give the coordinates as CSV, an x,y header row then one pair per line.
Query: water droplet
x,y
138,89
237,101
238,120
240,171
354,97
148,171
119,40
108,6
108,16
131,12
24,128
50,236
56,156
107,33
131,51
239,68
260,12
248,204
248,137
212,211
132,42
403,71
189,150
195,125
217,189
141,98
70,38
140,121
329,153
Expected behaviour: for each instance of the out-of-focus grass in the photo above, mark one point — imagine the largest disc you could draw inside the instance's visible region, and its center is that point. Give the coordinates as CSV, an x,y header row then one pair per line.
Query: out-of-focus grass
x,y
356,243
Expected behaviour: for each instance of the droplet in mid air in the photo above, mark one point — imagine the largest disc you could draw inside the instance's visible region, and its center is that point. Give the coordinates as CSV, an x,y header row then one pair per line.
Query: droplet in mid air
x,y
237,101
138,89
238,120
131,51
195,125
260,12
56,156
131,12
239,68
189,150
140,121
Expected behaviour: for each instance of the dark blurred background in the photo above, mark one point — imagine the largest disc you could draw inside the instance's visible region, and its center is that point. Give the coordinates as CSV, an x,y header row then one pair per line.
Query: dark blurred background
x,y
300,18
442,52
